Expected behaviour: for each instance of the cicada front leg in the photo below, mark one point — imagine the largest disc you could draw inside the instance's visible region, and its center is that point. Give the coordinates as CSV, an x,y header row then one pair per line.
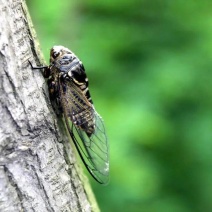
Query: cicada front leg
x,y
54,95
46,69
52,85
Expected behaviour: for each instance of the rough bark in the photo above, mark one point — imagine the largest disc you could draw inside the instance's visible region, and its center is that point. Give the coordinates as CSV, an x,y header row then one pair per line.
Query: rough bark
x,y
38,169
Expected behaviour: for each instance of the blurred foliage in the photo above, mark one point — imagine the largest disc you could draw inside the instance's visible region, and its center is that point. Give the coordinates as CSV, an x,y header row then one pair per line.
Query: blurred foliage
x,y
149,65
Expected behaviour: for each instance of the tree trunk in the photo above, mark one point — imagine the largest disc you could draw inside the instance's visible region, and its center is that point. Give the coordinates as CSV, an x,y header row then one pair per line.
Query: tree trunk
x,y
38,169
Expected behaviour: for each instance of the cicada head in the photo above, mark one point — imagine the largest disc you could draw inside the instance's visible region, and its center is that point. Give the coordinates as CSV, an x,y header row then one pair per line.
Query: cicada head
x,y
57,52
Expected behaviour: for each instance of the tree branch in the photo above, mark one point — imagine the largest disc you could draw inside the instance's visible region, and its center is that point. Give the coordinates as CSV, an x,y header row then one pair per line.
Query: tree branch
x,y
38,169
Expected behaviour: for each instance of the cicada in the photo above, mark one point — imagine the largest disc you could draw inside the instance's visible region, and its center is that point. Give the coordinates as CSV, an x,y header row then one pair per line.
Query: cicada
x,y
68,89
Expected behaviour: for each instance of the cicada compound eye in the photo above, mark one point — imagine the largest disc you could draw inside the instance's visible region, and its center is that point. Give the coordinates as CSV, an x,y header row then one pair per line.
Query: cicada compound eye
x,y
55,54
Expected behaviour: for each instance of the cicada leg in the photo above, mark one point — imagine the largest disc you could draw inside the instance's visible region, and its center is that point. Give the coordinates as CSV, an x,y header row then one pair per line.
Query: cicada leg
x,y
46,72
54,95
53,87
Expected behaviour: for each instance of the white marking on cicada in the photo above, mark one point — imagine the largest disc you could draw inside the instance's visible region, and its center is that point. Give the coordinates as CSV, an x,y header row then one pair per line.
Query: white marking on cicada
x,y
70,74
85,90
106,169
79,83
83,87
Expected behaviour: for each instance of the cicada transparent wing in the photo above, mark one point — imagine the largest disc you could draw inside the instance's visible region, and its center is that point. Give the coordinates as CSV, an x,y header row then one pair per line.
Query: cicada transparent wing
x,y
86,129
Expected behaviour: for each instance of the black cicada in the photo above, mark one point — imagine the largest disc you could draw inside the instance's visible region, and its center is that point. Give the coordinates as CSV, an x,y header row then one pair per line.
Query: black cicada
x,y
68,87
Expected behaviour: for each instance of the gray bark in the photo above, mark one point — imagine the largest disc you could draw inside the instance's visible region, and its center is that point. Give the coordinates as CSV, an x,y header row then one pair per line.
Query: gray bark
x,y
38,169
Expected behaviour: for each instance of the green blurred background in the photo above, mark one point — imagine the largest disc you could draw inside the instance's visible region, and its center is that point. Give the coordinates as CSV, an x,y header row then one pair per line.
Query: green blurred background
x,y
149,64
